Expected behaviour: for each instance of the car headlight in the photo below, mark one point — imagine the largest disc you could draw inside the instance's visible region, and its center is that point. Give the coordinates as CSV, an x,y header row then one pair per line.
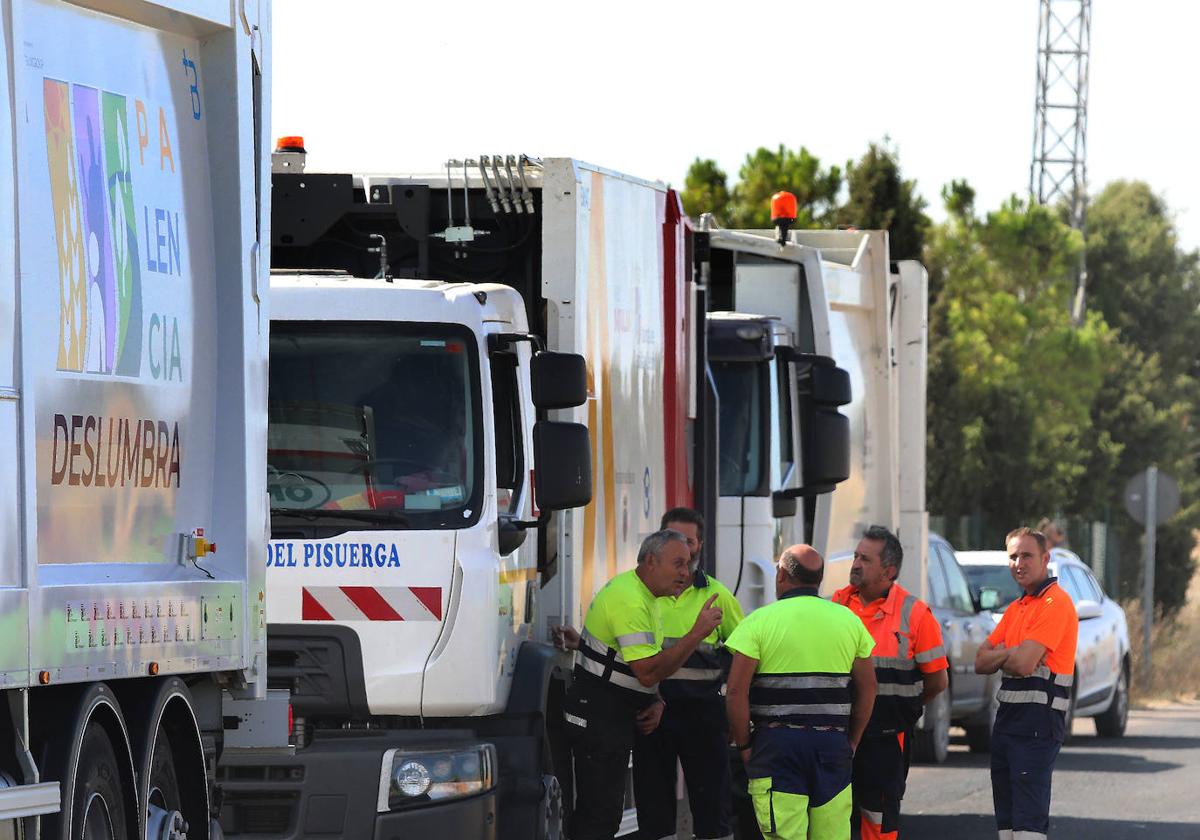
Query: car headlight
x,y
410,777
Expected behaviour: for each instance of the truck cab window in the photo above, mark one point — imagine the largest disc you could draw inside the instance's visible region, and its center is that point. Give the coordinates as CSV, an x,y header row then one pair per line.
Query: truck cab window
x,y
506,409
374,423
783,379
741,392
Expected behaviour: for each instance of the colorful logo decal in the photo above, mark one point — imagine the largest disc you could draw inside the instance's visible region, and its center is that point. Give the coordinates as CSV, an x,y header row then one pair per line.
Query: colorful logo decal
x,y
100,302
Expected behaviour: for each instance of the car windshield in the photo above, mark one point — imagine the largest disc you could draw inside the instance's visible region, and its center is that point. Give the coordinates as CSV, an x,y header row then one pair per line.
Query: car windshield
x,y
996,577
373,423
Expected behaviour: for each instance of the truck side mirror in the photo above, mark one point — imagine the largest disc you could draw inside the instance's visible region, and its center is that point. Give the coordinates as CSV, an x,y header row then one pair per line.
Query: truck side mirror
x,y
511,536
783,505
564,465
823,388
559,380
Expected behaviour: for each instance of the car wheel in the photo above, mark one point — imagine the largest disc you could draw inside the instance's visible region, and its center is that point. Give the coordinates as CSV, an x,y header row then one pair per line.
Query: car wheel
x,y
1111,722
979,735
931,745
1070,718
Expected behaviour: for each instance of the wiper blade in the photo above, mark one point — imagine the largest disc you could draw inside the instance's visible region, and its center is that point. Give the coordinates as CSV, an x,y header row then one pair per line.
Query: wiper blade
x,y
387,517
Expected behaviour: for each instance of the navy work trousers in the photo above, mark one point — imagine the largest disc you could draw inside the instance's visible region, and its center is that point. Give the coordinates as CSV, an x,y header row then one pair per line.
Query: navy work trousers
x,y
1021,768
694,732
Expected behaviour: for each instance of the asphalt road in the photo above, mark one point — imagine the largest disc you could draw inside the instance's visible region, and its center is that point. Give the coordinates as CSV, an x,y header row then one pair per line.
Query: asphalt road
x,y
1142,785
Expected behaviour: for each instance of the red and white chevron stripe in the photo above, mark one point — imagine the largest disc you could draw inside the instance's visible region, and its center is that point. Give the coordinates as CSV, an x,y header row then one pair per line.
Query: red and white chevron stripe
x,y
371,603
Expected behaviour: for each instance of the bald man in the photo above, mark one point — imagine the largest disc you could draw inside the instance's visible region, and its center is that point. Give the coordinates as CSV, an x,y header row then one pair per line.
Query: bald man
x,y
802,672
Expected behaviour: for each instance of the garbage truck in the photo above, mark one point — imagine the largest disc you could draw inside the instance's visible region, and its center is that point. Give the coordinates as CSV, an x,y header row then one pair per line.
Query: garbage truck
x,y
817,347
133,362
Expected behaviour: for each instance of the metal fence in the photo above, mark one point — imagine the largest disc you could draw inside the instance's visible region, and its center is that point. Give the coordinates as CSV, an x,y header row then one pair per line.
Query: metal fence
x,y
1096,542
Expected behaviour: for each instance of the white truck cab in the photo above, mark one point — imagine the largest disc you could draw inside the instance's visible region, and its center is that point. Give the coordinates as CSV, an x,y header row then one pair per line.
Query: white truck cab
x,y
817,348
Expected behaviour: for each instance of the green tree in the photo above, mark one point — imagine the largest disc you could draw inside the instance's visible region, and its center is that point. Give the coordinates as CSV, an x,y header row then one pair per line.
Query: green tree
x,y
881,199
1148,288
766,172
706,190
762,174
1011,382
1140,279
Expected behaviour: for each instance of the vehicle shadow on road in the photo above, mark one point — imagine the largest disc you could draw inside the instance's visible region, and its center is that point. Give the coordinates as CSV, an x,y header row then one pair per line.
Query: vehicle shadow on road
x,y
970,826
1081,755
1109,762
1139,743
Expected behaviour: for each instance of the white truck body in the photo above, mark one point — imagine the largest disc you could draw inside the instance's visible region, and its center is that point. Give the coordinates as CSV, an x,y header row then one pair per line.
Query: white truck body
x,y
130,277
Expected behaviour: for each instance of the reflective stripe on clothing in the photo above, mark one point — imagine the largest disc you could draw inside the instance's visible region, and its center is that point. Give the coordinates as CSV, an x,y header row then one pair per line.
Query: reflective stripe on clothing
x,y
890,689
1036,706
805,648
938,652
802,710
1038,703
604,662
703,647
802,681
704,670
630,639
908,644
810,699
697,674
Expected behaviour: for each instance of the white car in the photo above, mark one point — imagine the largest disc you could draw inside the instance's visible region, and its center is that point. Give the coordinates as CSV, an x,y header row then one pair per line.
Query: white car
x,y
1101,689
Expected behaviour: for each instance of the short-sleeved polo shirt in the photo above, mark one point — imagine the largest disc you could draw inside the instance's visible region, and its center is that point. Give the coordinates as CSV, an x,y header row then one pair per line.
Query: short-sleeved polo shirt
x,y
1047,617
801,634
625,615
679,612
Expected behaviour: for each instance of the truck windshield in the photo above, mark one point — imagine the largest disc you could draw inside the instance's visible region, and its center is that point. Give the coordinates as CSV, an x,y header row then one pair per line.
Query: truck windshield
x,y
740,392
374,424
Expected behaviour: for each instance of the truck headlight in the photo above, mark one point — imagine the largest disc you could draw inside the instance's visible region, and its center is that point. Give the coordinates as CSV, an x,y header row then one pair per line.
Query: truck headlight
x,y
411,777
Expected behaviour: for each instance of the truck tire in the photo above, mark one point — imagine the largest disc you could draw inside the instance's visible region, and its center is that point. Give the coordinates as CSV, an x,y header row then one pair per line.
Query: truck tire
x,y
83,743
1111,722
169,755
931,744
98,810
550,811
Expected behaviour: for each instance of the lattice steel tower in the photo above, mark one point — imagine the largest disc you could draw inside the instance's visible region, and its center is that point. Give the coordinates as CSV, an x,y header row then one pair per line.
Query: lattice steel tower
x,y
1059,168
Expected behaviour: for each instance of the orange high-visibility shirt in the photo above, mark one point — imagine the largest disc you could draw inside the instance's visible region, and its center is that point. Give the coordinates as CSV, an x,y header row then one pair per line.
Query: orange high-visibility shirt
x,y
1047,617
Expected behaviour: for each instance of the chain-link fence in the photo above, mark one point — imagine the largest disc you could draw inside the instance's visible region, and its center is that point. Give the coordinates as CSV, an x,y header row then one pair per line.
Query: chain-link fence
x,y
1096,542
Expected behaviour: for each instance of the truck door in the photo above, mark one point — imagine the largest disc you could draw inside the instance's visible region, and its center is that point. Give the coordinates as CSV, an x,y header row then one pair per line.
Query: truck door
x,y
517,548
745,529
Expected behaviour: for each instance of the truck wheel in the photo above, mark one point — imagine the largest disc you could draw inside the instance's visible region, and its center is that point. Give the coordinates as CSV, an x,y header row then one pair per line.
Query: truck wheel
x,y
169,756
1111,722
550,811
79,733
931,745
98,810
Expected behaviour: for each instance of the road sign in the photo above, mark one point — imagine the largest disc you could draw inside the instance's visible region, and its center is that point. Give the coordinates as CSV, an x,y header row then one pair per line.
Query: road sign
x,y
1167,498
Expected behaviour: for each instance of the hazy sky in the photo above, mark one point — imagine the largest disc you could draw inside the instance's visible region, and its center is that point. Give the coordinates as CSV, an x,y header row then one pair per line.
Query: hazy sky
x,y
645,87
